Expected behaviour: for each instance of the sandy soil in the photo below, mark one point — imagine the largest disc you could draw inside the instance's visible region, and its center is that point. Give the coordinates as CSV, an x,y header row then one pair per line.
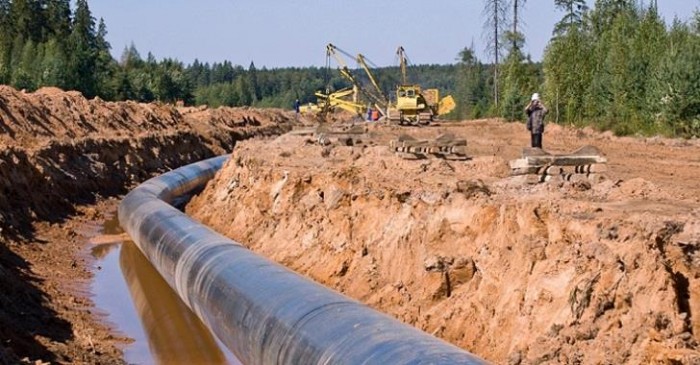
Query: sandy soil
x,y
61,156
604,271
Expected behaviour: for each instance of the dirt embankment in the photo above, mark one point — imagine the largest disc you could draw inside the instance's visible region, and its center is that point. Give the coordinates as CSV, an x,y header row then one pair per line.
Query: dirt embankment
x,y
60,152
603,272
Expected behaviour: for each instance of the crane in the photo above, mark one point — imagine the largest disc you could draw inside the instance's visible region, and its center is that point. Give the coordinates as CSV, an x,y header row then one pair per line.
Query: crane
x,y
378,95
413,105
375,97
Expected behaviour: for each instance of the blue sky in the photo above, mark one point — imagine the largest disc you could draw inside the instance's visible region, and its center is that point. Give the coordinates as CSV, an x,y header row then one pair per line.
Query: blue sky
x,y
281,33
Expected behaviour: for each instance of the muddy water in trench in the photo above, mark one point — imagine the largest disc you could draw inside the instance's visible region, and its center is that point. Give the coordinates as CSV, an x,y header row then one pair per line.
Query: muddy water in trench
x,y
140,304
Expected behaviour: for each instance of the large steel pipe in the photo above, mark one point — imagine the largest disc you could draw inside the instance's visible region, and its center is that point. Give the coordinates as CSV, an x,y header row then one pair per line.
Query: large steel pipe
x,y
262,311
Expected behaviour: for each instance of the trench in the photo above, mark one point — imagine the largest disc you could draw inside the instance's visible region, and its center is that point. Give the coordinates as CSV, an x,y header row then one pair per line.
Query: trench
x,y
139,303
276,315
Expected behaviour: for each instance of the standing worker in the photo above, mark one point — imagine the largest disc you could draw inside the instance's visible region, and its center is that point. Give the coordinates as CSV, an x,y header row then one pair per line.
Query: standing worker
x,y
535,119
297,106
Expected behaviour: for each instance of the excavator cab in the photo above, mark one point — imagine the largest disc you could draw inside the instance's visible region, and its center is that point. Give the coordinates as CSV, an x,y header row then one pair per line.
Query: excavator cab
x,y
409,97
411,106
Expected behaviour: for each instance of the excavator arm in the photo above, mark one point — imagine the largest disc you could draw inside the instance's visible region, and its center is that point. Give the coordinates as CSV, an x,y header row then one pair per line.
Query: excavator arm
x,y
375,97
380,97
332,51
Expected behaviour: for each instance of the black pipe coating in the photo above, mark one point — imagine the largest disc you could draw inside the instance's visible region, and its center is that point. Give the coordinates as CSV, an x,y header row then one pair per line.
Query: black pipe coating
x,y
263,312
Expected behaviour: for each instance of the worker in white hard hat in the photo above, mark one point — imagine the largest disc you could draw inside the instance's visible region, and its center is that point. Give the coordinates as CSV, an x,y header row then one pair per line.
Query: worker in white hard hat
x,y
535,119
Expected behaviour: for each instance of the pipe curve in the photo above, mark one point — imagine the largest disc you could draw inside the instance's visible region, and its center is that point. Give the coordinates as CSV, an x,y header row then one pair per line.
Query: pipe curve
x,y
263,312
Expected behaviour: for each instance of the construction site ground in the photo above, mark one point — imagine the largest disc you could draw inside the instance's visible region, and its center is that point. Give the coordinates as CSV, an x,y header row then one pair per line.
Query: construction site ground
x,y
584,271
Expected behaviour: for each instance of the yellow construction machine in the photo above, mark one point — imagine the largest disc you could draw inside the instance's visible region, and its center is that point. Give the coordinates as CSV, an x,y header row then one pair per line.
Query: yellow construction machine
x,y
345,99
356,98
414,105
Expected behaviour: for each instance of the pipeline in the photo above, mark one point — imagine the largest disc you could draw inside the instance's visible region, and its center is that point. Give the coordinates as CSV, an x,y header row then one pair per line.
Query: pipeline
x,y
263,312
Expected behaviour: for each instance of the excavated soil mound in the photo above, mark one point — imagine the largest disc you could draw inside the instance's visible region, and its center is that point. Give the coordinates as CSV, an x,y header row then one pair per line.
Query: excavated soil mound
x,y
59,152
562,272
58,147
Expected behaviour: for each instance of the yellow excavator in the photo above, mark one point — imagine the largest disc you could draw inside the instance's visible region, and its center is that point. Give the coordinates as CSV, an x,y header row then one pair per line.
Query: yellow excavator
x,y
414,105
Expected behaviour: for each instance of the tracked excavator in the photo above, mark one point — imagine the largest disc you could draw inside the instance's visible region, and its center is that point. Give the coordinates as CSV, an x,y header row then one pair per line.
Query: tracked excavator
x,y
413,104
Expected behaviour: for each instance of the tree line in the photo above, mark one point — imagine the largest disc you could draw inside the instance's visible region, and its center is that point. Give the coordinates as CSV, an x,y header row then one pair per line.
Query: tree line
x,y
620,67
616,65
46,43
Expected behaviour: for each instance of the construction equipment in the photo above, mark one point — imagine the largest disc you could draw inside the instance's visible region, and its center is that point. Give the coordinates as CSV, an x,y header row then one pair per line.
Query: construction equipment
x,y
356,98
380,101
339,99
414,105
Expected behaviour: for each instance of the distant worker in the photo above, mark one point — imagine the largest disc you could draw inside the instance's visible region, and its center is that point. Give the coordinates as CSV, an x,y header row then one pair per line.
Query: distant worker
x,y
535,119
297,106
375,115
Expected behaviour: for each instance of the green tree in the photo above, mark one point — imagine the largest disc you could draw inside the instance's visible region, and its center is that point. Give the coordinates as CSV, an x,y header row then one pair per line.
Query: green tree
x,y
567,65
677,87
574,15
244,91
123,90
130,58
223,72
58,19
612,27
171,84
82,63
105,66
6,39
52,64
27,19
229,95
23,73
646,53
517,80
198,74
471,87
